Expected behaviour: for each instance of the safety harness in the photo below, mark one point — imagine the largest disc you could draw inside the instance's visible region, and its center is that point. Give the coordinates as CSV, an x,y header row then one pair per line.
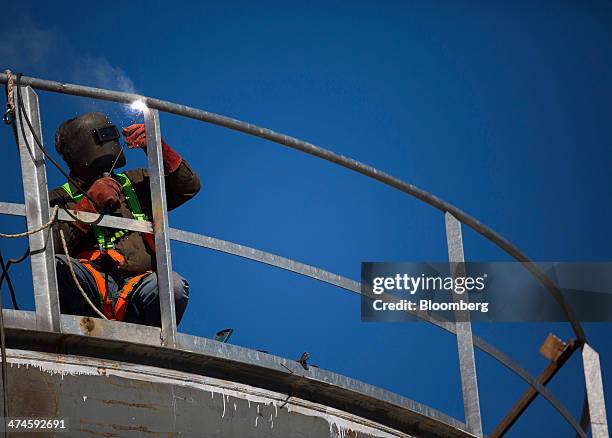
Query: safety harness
x,y
107,245
104,242
116,312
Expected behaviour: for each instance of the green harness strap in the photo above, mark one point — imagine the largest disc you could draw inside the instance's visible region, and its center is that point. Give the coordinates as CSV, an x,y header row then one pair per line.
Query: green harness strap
x,y
133,204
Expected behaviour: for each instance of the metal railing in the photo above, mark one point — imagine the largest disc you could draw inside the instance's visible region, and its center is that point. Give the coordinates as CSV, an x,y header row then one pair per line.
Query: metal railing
x,y
47,314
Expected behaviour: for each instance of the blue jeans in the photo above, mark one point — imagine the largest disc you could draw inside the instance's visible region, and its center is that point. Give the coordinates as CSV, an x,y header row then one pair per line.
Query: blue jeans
x,y
143,306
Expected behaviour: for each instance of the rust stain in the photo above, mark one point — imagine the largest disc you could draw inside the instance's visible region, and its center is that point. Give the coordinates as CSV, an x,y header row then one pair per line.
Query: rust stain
x,y
87,324
143,429
53,391
122,383
130,404
120,427
35,395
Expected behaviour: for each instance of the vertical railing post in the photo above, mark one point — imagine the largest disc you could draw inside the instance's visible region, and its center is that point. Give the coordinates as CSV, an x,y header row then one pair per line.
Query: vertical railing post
x,y
160,228
594,392
465,345
37,211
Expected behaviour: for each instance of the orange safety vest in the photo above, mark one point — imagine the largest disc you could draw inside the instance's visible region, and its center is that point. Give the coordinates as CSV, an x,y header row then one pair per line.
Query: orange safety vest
x,y
118,311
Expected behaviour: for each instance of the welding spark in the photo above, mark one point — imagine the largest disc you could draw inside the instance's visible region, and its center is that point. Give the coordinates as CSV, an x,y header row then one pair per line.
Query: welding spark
x,y
138,105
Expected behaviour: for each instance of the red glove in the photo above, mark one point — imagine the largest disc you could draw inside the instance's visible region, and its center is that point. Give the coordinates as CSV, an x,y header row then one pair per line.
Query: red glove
x,y
105,192
136,138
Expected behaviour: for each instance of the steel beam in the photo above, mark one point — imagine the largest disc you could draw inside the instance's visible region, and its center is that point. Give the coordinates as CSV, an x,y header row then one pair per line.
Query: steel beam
x,y
595,392
160,228
465,345
121,223
265,257
531,393
37,211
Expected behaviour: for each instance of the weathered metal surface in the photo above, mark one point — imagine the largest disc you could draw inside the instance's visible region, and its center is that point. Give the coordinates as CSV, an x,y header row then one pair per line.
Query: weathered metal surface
x,y
125,338
95,327
155,387
117,399
309,148
114,341
595,392
109,339
160,227
19,319
465,345
37,211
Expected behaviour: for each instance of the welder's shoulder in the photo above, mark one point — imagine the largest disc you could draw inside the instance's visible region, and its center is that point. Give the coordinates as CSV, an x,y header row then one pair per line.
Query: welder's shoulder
x,y
136,176
140,182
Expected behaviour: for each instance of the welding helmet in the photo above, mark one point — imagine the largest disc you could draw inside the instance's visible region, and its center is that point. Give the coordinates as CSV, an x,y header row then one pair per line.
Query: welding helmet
x,y
89,144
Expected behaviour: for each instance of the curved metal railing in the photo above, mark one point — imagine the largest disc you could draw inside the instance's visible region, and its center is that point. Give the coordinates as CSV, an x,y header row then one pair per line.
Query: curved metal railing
x,y
49,315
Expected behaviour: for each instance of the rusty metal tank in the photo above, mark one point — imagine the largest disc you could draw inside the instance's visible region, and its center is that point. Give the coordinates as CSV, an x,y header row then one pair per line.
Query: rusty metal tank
x,y
116,380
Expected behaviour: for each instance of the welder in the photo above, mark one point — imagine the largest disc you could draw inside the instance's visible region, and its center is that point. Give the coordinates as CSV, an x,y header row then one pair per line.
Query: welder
x,y
115,268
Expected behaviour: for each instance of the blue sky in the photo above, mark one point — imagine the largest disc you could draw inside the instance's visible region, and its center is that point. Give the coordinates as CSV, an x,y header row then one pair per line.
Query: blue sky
x,y
500,108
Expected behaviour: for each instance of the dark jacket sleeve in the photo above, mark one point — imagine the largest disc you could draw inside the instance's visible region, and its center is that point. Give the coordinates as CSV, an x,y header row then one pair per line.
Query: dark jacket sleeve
x,y
74,236
181,185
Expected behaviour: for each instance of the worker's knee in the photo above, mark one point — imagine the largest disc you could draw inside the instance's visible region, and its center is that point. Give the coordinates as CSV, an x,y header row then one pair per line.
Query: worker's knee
x,y
60,261
63,269
61,264
145,300
180,287
72,300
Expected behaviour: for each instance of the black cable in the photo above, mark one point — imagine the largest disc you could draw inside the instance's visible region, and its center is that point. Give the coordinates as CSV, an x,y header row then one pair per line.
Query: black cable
x,y
20,259
4,368
5,274
9,282
42,148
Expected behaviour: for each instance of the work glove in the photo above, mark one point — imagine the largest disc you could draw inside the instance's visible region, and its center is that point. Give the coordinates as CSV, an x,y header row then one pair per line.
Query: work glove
x,y
106,194
136,138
